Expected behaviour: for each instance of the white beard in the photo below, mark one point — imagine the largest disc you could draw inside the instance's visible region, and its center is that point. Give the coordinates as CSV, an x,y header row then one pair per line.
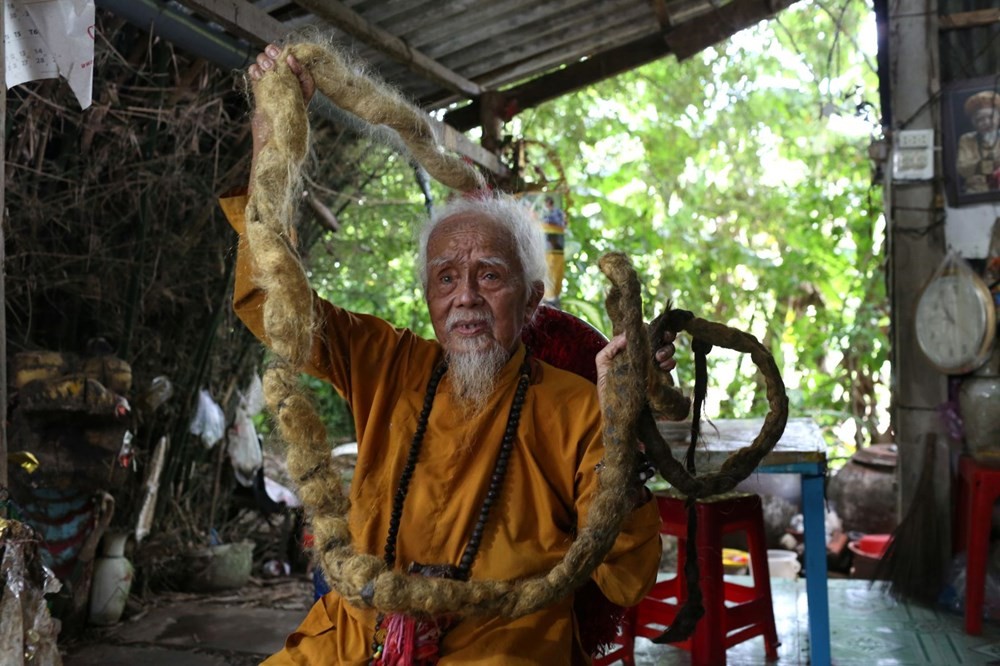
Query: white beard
x,y
473,372
473,376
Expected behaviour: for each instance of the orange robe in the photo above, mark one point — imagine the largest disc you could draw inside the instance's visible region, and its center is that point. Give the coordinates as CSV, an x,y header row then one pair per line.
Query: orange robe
x,y
382,372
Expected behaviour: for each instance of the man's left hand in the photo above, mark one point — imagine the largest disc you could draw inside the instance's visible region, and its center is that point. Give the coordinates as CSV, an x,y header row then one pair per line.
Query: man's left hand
x,y
664,357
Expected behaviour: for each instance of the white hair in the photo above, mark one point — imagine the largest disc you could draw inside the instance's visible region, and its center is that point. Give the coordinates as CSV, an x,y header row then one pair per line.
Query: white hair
x,y
510,214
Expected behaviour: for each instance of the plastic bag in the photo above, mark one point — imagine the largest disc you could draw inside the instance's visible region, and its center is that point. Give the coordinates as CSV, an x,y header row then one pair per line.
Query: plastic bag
x,y
280,494
245,453
253,400
209,421
160,390
28,633
831,523
952,596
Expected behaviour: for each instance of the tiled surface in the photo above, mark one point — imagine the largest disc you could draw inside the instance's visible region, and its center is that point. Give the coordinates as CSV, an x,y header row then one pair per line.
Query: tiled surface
x,y
868,628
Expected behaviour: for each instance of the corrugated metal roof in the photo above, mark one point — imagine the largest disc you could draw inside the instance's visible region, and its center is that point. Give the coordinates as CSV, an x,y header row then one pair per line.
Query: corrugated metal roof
x,y
499,44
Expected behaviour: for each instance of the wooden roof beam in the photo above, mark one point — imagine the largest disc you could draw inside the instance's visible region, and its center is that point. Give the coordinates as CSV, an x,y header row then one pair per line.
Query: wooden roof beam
x,y
575,51
257,27
720,24
568,79
345,18
271,5
241,18
971,19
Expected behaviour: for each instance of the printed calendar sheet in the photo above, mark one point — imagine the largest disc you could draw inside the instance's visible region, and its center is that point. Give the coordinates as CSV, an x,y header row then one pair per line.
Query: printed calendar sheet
x,y
44,39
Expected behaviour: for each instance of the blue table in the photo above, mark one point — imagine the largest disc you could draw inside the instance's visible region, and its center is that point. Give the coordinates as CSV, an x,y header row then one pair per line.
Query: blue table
x,y
800,450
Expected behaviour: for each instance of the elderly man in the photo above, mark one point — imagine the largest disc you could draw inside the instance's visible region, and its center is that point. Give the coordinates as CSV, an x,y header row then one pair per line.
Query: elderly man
x,y
469,398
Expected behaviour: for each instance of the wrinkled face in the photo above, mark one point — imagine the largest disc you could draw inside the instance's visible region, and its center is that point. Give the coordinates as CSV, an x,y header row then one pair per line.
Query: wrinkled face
x,y
475,288
986,120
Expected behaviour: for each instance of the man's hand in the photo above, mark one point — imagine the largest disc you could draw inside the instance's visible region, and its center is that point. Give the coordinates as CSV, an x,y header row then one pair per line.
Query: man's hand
x,y
664,357
266,61
603,361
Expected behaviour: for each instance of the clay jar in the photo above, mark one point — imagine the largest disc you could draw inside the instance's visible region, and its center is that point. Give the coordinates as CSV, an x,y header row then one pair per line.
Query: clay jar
x,y
979,402
863,492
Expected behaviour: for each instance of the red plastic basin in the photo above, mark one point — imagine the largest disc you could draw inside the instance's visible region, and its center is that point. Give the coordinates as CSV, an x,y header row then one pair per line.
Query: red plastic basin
x,y
873,545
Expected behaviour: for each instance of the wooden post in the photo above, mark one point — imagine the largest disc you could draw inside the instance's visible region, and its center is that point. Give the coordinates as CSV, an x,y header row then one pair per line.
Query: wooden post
x,y
489,119
3,268
916,243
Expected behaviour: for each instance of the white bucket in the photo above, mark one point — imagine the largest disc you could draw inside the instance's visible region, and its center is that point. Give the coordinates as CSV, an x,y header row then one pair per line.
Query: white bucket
x,y
783,564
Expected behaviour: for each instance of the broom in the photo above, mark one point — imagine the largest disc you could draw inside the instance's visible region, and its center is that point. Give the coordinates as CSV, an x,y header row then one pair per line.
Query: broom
x,y
916,560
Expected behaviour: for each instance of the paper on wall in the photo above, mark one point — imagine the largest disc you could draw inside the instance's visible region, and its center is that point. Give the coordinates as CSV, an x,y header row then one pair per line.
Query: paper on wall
x,y
967,229
44,39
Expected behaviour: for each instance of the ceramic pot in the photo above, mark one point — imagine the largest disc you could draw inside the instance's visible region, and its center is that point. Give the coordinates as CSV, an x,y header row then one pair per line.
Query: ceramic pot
x,y
112,581
863,491
979,403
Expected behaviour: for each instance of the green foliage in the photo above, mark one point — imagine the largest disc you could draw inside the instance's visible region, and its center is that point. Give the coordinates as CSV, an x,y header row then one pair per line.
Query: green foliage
x,y
730,182
336,416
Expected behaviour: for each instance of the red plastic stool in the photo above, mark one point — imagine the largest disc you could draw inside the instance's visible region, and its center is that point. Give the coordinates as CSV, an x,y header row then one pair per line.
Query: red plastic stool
x,y
733,613
978,489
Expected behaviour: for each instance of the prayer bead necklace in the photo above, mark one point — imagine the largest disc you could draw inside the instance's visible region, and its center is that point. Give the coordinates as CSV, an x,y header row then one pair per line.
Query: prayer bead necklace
x,y
462,571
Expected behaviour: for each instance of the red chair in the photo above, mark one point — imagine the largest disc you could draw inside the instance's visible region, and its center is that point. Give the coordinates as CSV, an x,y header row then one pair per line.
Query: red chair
x,y
564,340
979,488
733,612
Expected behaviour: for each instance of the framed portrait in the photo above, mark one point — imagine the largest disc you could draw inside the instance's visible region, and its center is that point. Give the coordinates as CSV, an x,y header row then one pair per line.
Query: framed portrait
x,y
970,138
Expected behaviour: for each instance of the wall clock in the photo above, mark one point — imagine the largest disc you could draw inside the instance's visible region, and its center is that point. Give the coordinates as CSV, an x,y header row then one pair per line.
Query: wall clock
x,y
956,321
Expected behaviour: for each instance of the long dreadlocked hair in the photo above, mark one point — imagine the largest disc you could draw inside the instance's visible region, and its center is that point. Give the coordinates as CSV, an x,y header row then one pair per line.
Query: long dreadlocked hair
x,y
362,579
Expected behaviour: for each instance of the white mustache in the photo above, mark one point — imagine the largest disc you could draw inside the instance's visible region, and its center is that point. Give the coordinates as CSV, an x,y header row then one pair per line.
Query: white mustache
x,y
456,319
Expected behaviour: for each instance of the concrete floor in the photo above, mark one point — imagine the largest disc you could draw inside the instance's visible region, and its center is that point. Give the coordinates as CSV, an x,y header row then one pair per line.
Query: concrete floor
x,y
191,634
225,629
868,628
